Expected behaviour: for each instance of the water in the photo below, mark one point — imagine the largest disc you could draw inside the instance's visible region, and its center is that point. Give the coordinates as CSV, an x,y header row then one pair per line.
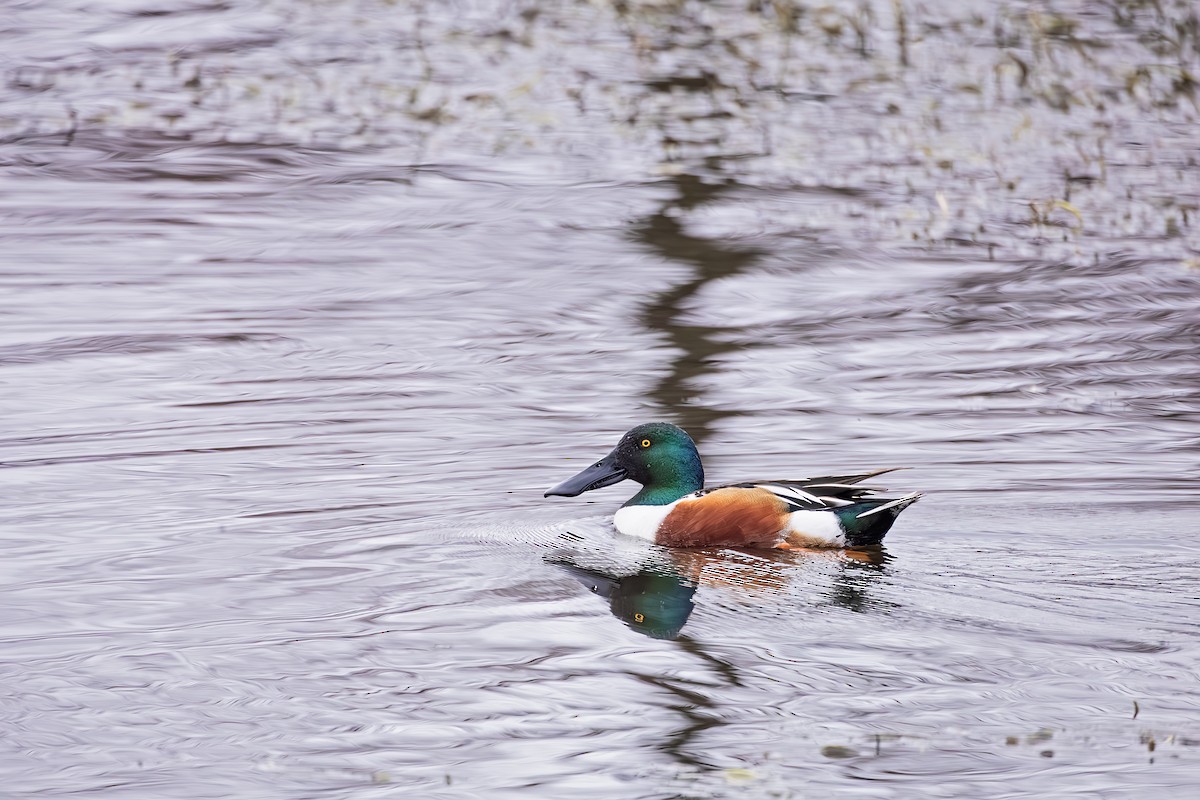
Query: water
x,y
303,306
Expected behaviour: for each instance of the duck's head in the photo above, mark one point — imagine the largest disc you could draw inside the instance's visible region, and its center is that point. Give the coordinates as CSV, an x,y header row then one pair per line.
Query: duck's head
x,y
658,455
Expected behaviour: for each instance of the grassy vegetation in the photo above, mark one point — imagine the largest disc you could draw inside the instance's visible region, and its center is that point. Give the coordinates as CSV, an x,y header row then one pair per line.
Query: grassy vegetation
x,y
1060,130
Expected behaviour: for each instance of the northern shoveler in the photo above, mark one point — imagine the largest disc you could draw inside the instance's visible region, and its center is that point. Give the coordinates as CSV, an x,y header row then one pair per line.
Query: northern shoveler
x,y
674,509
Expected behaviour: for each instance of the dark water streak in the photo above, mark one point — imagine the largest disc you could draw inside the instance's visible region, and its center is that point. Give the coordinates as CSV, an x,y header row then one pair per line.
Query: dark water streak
x,y
711,260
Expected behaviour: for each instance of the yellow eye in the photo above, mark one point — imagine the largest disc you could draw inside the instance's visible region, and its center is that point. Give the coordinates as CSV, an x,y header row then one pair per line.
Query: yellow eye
x,y
645,442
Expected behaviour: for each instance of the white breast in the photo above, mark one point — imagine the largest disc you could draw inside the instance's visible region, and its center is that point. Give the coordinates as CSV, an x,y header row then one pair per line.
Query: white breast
x,y
641,521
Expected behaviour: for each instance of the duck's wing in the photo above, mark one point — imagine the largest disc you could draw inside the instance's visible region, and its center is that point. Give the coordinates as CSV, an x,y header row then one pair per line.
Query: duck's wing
x,y
816,494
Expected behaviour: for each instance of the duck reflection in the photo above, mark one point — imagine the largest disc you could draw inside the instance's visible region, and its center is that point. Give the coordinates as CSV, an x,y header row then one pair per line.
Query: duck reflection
x,y
657,597
654,601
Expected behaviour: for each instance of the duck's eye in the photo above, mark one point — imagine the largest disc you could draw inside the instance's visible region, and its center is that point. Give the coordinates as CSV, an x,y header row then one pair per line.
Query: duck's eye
x,y
645,442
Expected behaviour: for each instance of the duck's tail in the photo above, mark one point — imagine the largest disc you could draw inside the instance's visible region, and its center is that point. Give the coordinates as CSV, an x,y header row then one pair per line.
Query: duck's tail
x,y
868,521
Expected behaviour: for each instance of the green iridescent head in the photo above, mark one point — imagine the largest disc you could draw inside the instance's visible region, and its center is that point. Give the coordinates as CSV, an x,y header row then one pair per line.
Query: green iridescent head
x,y
658,455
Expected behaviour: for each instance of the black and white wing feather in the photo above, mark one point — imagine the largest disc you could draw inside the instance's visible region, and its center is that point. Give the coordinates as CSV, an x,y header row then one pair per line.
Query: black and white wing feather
x,y
818,494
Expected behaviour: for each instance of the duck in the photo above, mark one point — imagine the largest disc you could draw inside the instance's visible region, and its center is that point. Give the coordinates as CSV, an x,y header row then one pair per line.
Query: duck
x,y
675,509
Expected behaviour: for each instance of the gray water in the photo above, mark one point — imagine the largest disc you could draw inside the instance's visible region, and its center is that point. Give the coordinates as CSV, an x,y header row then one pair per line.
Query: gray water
x,y
304,304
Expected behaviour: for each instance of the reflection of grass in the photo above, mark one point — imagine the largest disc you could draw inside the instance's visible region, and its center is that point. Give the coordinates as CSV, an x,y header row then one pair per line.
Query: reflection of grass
x,y
995,107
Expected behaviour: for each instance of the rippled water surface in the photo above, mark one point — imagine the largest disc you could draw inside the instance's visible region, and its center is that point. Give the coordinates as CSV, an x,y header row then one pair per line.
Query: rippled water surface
x,y
303,305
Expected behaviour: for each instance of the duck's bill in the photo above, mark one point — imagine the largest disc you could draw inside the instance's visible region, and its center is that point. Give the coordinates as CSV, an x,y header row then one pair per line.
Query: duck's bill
x,y
604,472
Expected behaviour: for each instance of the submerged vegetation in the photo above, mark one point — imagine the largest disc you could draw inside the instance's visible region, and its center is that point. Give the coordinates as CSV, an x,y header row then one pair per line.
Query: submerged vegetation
x,y
1057,130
